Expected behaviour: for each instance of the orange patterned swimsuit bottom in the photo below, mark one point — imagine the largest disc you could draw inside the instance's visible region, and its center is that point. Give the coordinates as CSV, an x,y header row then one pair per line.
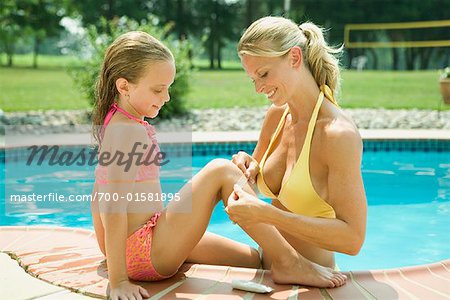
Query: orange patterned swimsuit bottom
x,y
139,261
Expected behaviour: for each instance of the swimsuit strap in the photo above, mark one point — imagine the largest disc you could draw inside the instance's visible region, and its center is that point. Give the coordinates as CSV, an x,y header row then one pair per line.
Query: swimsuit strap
x,y
312,122
111,113
274,137
128,114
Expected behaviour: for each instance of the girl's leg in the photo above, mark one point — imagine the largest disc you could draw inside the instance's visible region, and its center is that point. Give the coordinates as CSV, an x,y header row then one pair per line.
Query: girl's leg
x,y
218,250
177,233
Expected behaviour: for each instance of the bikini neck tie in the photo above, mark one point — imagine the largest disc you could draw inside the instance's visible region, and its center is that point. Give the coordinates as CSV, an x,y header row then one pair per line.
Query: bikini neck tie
x,y
328,93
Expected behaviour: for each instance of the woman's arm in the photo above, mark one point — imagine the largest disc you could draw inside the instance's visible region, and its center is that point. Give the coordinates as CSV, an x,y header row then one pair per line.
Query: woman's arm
x,y
249,164
346,233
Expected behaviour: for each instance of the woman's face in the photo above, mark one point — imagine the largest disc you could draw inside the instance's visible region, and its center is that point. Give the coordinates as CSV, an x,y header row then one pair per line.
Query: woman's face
x,y
151,91
272,76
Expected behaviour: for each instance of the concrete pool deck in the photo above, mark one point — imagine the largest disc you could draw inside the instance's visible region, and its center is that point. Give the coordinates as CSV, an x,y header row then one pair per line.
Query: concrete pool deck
x,y
71,266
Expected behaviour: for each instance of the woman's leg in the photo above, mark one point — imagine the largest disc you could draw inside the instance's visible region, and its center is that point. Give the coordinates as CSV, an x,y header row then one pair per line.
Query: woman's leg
x,y
183,223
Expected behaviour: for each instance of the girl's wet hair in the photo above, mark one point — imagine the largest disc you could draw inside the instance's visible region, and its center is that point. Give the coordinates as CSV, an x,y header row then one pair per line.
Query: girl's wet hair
x,y
127,57
275,36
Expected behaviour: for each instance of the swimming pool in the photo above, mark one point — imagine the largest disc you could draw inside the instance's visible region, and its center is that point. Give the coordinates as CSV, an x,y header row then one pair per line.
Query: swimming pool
x,y
408,192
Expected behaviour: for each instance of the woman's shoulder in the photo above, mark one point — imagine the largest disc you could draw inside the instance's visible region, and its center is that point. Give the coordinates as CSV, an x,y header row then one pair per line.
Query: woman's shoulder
x,y
273,116
274,113
340,137
336,123
271,120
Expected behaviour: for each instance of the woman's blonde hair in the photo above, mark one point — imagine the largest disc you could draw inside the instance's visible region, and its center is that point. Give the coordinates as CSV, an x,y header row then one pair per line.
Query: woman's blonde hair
x,y
127,57
275,36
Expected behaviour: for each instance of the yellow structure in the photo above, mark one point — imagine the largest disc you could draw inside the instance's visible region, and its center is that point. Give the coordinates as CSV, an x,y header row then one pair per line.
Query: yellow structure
x,y
395,44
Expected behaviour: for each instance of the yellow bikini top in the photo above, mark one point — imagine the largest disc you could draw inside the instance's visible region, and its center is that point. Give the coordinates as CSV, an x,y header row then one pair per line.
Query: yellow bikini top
x,y
298,194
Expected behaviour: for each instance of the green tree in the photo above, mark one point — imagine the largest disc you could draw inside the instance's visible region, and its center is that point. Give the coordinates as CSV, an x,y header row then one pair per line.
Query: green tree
x,y
10,28
215,22
219,24
92,12
42,18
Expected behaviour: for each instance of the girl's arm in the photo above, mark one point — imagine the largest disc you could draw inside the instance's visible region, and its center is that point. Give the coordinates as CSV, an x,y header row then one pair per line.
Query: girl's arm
x,y
346,192
115,241
112,197
96,220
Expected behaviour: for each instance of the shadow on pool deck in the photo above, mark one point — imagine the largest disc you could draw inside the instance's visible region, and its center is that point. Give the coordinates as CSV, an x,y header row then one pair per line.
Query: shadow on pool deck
x,y
70,258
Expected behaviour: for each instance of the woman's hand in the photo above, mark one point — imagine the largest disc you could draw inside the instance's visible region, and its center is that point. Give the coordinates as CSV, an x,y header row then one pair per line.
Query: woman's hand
x,y
126,290
244,208
248,165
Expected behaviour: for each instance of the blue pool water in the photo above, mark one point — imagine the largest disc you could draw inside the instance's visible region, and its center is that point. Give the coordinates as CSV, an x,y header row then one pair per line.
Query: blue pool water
x,y
408,195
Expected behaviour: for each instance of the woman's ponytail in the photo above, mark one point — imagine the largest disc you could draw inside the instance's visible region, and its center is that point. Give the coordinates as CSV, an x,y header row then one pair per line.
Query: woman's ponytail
x,y
320,57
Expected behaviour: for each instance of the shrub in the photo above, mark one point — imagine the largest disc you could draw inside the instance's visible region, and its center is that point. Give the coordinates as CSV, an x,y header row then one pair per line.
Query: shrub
x,y
445,73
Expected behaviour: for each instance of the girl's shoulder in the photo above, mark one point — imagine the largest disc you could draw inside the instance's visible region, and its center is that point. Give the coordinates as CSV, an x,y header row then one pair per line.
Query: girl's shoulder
x,y
123,132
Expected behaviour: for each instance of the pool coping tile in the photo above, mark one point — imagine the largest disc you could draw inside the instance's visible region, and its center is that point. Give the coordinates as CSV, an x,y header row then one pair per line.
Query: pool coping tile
x,y
224,137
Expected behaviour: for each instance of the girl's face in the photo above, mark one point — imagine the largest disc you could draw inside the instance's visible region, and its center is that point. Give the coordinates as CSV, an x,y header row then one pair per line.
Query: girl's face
x,y
272,76
151,91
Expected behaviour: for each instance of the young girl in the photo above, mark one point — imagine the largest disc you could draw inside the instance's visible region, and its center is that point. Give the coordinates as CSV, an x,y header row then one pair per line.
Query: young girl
x,y
141,239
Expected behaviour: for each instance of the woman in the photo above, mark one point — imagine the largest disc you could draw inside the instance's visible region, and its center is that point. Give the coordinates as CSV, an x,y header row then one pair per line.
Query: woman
x,y
308,156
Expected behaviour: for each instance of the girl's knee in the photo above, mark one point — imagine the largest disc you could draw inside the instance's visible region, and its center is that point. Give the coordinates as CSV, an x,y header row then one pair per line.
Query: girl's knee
x,y
223,166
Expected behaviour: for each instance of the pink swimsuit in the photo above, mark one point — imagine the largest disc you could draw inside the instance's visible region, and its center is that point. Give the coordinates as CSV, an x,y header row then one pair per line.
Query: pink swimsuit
x,y
139,244
144,172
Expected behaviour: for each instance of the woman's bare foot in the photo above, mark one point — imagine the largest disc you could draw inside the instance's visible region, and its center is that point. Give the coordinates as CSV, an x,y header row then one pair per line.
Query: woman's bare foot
x,y
299,270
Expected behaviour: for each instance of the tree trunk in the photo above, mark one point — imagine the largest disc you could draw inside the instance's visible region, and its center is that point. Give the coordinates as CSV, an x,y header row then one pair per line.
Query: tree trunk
x,y
409,58
219,54
395,36
249,12
110,11
395,59
213,35
271,7
10,59
425,55
9,53
37,42
211,53
181,20
350,56
375,57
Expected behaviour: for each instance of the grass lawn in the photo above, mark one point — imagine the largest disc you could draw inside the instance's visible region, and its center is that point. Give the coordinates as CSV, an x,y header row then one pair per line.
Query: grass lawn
x,y
359,89
30,89
50,87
